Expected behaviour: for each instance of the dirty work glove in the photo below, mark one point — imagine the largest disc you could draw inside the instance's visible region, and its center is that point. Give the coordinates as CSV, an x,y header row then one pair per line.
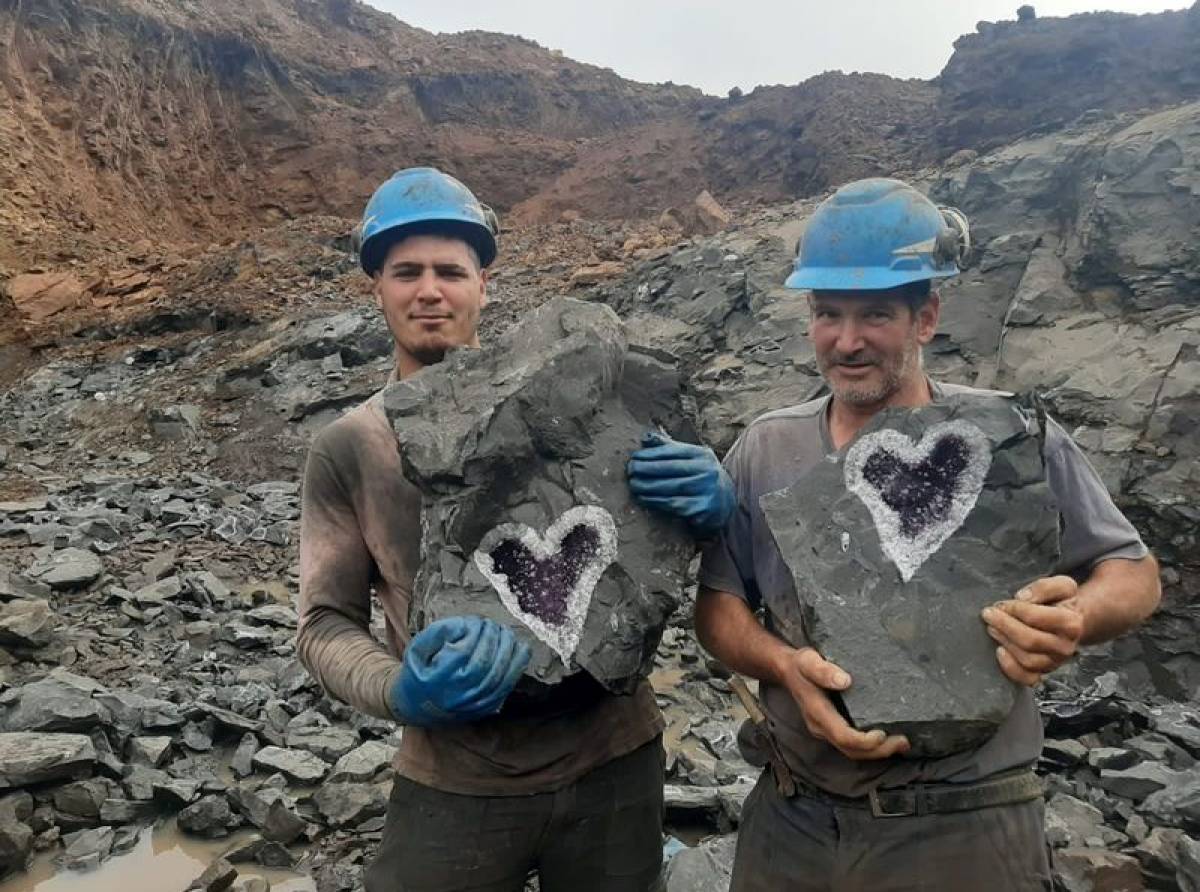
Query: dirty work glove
x,y
682,479
458,669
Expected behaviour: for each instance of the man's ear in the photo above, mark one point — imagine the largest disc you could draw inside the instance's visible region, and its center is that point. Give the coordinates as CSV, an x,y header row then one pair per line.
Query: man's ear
x,y
927,318
483,283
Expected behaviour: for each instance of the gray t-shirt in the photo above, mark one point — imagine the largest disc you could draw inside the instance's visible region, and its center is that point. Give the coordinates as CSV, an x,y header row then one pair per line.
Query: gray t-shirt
x,y
772,454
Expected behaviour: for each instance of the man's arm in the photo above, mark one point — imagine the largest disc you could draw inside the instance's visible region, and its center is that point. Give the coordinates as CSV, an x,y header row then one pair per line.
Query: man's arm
x,y
1050,619
333,640
729,630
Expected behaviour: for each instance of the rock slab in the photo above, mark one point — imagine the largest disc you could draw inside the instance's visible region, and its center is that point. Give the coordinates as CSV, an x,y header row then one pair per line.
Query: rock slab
x,y
896,547
520,450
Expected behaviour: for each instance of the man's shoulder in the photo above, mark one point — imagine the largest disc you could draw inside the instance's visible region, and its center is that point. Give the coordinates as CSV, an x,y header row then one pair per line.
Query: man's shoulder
x,y
789,418
347,435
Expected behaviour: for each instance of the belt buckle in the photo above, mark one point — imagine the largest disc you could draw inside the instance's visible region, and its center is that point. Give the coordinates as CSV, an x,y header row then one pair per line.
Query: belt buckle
x,y
878,811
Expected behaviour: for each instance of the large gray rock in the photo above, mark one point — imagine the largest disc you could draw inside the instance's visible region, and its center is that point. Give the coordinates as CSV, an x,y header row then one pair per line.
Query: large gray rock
x,y
62,701
348,805
896,547
16,836
298,765
1096,870
29,758
1073,823
26,624
706,868
520,452
68,569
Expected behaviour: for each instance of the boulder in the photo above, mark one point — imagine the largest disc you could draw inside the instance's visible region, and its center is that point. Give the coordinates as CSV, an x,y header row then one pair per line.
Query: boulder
x,y
30,758
26,624
38,296
899,545
520,452
706,868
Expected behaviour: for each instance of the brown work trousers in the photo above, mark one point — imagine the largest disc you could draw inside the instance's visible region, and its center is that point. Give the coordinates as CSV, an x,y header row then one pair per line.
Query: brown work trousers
x,y
601,834
804,844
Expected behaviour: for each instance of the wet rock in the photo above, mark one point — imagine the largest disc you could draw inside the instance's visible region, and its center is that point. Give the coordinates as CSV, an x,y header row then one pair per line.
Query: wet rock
x,y
1064,753
63,701
210,817
175,793
71,568
899,546
84,798
217,877
363,763
706,868
1112,758
283,825
16,836
527,518
298,765
85,849
330,744
26,624
29,758
348,805
152,751
1138,782
261,851
1160,854
1073,823
1178,805
1096,870
242,762
126,811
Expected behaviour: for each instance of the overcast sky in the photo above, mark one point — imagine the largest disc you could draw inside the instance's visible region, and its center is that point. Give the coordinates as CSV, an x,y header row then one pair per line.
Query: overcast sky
x,y
716,45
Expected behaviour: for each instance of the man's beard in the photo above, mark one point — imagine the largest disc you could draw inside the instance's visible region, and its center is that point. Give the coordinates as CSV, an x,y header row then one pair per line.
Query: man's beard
x,y
893,371
428,354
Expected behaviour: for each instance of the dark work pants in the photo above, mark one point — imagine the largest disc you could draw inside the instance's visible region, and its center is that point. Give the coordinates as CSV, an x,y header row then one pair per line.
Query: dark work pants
x,y
600,834
805,844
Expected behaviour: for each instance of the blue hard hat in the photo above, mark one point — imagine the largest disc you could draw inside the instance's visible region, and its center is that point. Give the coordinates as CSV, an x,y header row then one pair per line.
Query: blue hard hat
x,y
878,233
421,200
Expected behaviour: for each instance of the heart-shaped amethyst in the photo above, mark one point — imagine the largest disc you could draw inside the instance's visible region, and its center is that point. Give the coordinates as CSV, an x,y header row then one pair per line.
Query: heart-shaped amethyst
x,y
547,582
918,494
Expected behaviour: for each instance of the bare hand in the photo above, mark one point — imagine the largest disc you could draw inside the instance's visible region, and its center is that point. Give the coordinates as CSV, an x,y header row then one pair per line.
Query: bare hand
x,y
1037,631
807,676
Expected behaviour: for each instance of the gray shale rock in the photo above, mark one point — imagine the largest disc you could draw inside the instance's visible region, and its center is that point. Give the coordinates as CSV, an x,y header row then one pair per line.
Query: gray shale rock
x,y
1096,870
68,569
26,624
897,547
520,452
302,767
706,868
210,817
29,758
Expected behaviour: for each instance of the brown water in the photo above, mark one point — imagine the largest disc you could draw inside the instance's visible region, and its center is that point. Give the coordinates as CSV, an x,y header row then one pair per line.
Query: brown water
x,y
163,860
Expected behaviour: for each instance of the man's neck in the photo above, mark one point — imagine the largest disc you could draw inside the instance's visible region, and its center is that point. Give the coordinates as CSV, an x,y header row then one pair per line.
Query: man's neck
x,y
846,420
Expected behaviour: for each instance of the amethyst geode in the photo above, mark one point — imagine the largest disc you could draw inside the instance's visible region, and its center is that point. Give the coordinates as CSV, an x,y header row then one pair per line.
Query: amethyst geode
x,y
519,450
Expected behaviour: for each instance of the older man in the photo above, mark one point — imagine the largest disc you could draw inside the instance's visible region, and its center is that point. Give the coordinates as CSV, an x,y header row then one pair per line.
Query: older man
x,y
868,259
571,788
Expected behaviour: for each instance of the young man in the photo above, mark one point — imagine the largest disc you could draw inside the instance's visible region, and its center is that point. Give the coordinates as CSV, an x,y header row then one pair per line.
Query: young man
x,y
483,795
971,820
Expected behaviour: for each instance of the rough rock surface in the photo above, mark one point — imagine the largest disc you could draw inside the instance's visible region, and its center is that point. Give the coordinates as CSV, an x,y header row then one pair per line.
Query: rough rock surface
x,y
896,548
520,452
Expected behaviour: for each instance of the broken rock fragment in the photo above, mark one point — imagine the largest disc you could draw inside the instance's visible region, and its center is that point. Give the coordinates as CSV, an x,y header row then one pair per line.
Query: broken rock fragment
x,y
520,450
895,549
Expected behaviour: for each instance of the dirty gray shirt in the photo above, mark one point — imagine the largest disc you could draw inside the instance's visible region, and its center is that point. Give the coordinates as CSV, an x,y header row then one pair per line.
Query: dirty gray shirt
x,y
779,448
361,531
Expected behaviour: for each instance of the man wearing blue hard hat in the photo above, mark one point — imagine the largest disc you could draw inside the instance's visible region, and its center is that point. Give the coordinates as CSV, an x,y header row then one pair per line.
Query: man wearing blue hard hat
x,y
843,809
481,797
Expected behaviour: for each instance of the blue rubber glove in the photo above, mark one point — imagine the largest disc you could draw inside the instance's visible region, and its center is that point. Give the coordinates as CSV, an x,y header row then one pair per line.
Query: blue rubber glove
x,y
682,479
458,669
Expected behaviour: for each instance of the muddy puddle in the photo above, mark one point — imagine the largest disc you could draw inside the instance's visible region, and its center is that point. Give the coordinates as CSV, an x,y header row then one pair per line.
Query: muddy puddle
x,y
164,860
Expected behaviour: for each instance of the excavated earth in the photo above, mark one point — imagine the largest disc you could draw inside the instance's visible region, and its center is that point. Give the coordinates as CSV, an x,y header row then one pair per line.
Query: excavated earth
x,y
182,314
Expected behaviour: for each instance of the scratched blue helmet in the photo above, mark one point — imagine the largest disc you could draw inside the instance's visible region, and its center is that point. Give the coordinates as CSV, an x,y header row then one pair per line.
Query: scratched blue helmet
x,y
878,233
423,200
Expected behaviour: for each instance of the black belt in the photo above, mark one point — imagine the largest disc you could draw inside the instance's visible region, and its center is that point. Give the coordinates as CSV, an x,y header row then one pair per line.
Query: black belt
x,y
916,799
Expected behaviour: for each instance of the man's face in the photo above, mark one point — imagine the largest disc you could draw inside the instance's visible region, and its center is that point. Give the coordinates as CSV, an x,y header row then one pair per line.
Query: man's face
x,y
431,291
868,343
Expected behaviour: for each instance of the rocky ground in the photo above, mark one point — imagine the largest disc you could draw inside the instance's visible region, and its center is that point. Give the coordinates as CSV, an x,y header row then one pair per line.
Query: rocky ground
x,y
150,458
